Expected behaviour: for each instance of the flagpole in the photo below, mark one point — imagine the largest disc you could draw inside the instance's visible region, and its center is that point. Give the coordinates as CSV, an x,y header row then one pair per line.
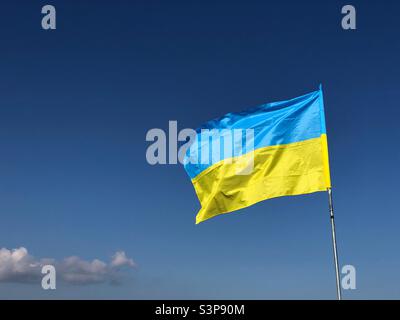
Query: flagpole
x,y
335,254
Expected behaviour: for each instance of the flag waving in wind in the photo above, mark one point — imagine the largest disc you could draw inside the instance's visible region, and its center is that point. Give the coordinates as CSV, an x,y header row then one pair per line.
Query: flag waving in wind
x,y
276,149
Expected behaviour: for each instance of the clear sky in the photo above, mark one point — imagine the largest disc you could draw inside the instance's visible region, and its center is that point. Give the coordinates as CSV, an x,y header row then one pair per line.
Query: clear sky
x,y
76,104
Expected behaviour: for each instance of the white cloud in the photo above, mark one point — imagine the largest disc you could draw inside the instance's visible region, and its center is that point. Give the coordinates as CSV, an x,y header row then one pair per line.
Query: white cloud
x,y
120,259
17,265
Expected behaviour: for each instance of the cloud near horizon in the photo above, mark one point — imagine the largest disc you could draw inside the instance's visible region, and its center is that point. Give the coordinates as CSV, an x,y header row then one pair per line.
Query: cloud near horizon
x,y
17,265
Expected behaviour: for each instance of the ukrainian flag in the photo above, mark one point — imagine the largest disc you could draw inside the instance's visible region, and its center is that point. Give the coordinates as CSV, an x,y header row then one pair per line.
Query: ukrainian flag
x,y
288,156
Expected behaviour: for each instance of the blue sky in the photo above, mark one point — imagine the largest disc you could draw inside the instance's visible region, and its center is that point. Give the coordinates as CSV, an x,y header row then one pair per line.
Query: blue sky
x,y
76,104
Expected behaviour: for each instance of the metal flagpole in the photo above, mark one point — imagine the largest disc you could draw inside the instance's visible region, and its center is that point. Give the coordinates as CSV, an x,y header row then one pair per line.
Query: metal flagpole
x,y
335,254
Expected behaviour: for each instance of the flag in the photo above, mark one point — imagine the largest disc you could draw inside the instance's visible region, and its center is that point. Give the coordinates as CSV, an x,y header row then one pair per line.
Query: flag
x,y
276,149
